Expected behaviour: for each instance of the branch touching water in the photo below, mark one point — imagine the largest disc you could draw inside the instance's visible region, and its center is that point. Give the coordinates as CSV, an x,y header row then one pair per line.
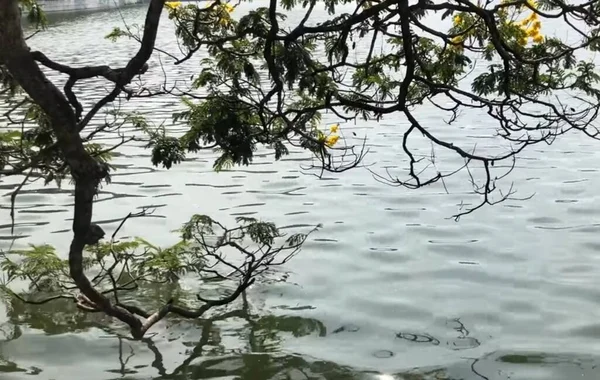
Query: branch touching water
x,y
267,81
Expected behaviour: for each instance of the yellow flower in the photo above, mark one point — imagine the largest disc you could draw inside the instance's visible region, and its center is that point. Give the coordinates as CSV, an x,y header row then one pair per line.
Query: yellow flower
x,y
532,32
457,43
228,7
532,3
222,11
538,39
537,24
457,40
173,4
332,140
522,41
334,128
458,20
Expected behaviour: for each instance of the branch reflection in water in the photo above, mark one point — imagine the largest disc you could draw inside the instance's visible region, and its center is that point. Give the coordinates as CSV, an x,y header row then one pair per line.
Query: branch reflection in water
x,y
210,357
236,344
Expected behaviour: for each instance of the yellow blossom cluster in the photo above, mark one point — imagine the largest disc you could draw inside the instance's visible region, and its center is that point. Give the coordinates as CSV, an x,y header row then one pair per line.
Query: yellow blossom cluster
x,y
226,7
223,10
532,3
458,20
332,138
457,42
172,5
531,25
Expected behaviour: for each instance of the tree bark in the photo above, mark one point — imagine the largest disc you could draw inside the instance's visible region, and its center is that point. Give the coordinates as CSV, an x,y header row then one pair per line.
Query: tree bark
x,y
86,171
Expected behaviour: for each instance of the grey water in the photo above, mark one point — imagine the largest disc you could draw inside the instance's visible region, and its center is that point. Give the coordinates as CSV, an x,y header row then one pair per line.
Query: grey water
x,y
390,288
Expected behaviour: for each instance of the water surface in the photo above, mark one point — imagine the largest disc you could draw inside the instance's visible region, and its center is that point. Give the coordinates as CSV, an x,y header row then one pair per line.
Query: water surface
x,y
389,288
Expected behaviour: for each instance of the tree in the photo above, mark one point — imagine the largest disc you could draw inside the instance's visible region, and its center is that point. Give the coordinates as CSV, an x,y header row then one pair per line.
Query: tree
x,y
534,88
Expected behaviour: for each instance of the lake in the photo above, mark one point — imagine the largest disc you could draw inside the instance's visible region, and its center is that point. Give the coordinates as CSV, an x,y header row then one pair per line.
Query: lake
x,y
390,288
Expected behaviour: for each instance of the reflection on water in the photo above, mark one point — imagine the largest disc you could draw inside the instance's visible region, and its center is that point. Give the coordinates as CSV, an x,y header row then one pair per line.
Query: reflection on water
x,y
206,352
386,286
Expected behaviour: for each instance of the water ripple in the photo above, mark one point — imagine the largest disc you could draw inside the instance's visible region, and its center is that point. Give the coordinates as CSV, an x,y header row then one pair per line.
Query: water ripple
x,y
522,275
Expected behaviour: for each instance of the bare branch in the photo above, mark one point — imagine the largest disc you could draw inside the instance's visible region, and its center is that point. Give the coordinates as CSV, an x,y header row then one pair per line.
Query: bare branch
x,y
13,198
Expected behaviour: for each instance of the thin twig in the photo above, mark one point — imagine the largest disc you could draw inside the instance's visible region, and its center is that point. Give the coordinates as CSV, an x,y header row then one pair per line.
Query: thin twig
x,y
13,198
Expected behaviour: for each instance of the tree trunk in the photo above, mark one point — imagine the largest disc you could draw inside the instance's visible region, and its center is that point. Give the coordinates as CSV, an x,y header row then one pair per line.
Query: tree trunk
x,y
86,171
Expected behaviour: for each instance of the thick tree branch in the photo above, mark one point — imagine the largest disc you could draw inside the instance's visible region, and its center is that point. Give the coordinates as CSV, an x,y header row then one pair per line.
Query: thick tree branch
x,y
86,171
137,64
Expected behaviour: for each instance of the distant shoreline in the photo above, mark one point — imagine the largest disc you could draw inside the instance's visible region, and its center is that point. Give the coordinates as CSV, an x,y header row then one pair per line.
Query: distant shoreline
x,y
68,6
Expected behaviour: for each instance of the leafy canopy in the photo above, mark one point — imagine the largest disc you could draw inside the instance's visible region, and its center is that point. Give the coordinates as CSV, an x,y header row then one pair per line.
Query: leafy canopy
x,y
269,80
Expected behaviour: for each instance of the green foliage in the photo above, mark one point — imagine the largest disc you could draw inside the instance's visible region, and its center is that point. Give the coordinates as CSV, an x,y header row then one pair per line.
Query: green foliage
x,y
267,81
233,127
240,112
34,146
39,264
99,152
263,84
259,232
201,224
35,13
135,265
170,263
117,33
166,150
